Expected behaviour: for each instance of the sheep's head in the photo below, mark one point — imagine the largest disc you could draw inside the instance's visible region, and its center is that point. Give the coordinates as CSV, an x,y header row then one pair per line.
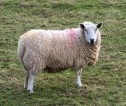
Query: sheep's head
x,y
91,31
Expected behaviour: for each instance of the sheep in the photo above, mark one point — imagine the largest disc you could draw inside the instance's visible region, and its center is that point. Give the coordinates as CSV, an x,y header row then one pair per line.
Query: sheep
x,y
58,50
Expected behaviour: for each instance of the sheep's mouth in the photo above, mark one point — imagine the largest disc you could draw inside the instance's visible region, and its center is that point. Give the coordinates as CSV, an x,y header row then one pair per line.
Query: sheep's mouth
x,y
92,42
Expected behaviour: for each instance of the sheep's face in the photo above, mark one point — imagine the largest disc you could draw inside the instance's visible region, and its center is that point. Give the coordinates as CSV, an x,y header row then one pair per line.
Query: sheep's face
x,y
90,31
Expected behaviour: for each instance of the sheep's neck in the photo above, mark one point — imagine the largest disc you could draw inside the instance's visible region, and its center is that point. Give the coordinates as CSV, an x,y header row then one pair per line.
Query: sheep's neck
x,y
93,52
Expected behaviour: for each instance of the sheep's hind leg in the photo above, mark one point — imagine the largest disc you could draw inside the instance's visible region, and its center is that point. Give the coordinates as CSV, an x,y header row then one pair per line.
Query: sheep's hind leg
x,y
26,80
78,77
30,83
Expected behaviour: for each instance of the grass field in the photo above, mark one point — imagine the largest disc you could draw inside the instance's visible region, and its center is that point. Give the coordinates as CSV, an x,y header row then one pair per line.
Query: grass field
x,y
103,84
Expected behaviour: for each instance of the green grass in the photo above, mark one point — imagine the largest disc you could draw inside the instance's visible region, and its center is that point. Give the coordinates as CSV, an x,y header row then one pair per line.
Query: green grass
x,y
103,84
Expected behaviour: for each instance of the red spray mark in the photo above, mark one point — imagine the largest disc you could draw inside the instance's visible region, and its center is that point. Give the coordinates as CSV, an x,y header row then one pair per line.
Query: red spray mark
x,y
71,34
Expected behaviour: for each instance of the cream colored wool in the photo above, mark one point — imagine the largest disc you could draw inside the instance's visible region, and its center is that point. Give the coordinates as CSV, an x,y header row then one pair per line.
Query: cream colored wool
x,y
52,51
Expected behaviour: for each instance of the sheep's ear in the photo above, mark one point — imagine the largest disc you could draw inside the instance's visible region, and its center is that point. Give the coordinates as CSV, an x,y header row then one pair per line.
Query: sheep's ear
x,y
82,26
99,25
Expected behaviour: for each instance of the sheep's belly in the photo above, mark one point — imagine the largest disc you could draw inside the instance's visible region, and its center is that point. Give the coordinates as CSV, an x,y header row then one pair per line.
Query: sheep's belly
x,y
54,70
57,66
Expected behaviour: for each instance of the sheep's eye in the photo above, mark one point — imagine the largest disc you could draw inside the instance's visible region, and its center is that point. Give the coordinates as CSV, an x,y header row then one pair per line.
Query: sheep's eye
x,y
86,31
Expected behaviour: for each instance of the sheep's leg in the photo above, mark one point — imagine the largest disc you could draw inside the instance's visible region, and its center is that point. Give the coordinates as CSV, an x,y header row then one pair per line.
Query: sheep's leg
x,y
78,77
26,80
30,83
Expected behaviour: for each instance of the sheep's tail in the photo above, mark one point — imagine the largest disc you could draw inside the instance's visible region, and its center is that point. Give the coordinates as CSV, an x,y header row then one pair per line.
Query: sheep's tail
x,y
21,51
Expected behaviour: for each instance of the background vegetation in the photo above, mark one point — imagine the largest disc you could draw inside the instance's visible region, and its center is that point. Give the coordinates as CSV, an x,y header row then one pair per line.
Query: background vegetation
x,y
103,84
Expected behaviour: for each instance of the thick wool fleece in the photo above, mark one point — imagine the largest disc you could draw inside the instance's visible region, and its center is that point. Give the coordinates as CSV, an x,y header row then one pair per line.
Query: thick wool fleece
x,y
52,51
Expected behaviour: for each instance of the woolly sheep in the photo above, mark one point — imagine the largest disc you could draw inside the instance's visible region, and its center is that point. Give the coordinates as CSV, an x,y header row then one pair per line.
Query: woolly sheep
x,y
57,50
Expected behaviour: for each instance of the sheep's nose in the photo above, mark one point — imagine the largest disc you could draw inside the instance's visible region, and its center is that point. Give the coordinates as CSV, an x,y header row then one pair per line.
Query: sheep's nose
x,y
92,41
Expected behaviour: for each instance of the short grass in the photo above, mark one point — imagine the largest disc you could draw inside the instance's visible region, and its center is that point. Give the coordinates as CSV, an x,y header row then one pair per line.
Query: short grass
x,y
104,83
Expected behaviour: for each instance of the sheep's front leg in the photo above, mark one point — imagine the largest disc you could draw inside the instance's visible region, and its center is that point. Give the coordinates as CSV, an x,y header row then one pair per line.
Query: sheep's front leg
x,y
30,83
78,77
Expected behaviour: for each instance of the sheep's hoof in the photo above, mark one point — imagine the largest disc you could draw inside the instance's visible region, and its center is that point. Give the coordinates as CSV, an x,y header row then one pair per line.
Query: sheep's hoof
x,y
25,88
30,91
79,85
